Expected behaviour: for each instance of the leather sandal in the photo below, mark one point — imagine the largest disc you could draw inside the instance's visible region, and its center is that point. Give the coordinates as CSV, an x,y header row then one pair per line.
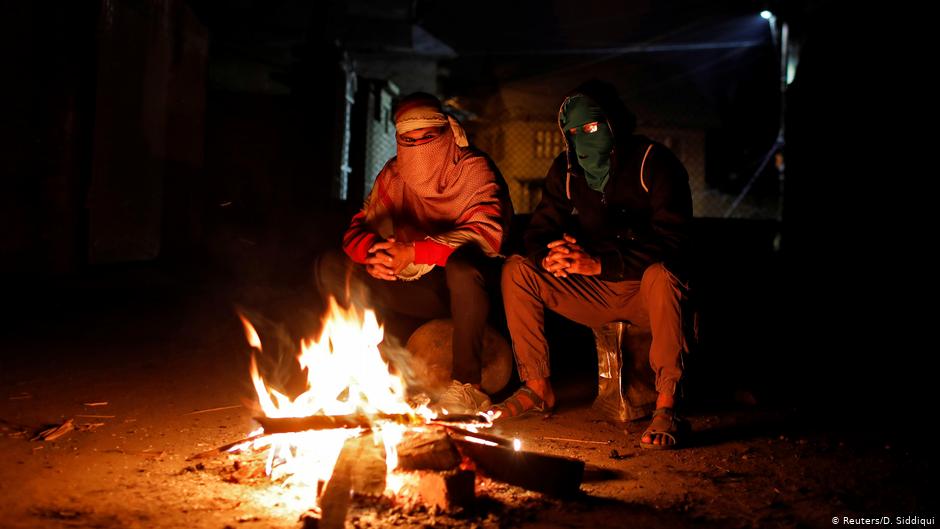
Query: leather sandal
x,y
667,424
523,401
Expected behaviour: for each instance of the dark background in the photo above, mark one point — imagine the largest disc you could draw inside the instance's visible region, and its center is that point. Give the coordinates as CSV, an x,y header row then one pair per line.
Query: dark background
x,y
156,152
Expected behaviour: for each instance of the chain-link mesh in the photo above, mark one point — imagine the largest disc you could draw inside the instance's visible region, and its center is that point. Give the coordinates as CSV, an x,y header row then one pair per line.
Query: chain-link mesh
x,y
524,149
519,131
379,130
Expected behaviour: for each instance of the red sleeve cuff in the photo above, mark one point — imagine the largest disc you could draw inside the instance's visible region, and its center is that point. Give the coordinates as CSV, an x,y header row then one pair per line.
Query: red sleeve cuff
x,y
432,252
358,248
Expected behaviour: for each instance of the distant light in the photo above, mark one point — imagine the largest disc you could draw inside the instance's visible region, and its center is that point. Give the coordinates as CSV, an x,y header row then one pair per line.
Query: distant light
x,y
516,445
766,14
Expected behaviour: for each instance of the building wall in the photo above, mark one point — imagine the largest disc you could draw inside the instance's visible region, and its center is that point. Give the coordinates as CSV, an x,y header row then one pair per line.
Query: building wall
x,y
149,123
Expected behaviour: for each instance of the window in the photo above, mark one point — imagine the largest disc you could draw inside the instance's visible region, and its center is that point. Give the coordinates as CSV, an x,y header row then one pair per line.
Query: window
x,y
548,143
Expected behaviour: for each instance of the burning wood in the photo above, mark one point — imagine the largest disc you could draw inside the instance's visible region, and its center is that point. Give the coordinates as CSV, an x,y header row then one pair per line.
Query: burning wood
x,y
556,476
446,491
353,433
431,450
360,469
274,425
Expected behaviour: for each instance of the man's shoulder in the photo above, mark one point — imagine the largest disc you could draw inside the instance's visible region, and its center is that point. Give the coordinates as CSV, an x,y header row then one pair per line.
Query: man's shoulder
x,y
643,144
389,170
472,155
391,165
475,161
559,167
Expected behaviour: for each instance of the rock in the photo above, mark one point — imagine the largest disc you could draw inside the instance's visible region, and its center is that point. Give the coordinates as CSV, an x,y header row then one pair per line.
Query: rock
x,y
432,356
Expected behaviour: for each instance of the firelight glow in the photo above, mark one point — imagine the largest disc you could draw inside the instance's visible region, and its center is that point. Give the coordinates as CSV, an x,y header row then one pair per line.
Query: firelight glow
x,y
346,375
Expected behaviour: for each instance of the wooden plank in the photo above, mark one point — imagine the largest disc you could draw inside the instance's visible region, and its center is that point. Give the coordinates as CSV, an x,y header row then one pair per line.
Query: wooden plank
x,y
360,468
427,450
369,472
553,475
273,425
447,490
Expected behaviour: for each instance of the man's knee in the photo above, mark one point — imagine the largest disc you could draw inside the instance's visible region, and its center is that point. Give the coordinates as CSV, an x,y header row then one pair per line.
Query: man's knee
x,y
658,274
517,272
513,269
462,267
659,282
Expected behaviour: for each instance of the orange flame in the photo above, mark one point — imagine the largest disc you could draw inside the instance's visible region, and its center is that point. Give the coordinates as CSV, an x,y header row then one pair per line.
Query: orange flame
x,y
250,334
345,375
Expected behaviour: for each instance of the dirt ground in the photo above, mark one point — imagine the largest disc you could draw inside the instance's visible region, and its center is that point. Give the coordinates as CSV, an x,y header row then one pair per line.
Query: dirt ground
x,y
159,359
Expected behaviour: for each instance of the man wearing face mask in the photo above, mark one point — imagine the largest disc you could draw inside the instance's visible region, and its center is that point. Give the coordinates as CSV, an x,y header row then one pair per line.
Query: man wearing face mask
x,y
607,243
426,243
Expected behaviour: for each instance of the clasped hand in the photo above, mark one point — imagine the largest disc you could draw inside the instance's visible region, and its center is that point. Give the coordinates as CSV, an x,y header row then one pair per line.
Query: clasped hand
x,y
388,258
566,257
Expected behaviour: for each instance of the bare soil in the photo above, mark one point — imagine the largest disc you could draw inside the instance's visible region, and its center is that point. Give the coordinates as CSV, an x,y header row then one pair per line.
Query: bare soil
x,y
160,360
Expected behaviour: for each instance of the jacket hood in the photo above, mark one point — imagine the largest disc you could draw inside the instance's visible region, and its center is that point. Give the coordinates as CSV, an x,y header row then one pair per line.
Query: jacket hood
x,y
621,121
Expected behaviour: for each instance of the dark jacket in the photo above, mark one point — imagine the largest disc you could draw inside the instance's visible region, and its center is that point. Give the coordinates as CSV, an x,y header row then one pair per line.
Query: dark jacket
x,y
638,219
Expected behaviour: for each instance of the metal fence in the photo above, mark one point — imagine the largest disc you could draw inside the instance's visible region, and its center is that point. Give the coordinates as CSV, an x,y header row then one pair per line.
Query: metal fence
x,y
523,145
523,149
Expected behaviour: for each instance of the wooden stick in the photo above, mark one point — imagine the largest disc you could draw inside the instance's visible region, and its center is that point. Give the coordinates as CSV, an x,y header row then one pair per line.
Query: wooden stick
x,y
499,441
325,422
329,422
223,408
576,440
225,447
480,419
53,433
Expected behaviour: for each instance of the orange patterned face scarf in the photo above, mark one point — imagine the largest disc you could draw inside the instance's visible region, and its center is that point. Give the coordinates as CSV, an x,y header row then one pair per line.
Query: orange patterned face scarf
x,y
421,115
425,167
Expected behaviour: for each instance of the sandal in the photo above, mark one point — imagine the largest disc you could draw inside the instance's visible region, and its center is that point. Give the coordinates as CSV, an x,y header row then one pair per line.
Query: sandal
x,y
671,427
523,401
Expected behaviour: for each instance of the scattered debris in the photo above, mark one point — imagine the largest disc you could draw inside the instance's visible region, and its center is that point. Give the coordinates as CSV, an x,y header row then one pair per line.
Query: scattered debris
x,y
13,430
226,447
614,454
96,416
54,513
242,470
55,432
84,427
94,404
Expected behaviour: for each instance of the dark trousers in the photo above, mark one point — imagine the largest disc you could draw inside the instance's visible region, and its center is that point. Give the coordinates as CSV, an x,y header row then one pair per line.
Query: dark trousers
x,y
460,290
655,302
